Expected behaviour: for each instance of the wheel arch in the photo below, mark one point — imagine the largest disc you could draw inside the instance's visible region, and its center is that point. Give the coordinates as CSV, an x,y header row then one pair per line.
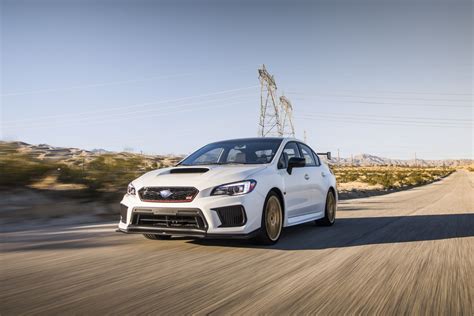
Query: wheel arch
x,y
278,192
333,190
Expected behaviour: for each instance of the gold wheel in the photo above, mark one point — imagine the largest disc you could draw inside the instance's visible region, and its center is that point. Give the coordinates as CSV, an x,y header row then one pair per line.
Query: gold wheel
x,y
273,218
331,208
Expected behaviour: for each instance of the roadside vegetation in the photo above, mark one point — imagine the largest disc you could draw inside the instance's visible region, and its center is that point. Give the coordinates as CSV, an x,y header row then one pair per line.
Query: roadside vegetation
x,y
111,172
106,173
390,177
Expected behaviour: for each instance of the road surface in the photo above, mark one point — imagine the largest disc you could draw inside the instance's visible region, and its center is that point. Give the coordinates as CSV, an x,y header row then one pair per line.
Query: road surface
x,y
409,252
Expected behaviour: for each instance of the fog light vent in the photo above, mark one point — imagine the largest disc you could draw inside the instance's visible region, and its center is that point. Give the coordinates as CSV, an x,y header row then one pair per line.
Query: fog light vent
x,y
231,216
123,213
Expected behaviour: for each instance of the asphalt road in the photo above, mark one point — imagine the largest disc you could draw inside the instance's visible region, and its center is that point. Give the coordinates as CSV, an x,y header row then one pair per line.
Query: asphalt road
x,y
409,252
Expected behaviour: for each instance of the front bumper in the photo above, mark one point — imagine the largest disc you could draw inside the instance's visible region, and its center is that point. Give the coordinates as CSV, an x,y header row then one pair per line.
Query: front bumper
x,y
200,207
184,232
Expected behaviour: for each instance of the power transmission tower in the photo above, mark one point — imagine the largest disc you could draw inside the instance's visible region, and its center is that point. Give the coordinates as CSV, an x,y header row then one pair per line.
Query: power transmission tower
x,y
276,119
269,112
287,117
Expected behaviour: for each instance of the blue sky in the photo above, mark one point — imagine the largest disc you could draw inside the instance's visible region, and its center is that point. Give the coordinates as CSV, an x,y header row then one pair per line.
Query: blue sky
x,y
389,78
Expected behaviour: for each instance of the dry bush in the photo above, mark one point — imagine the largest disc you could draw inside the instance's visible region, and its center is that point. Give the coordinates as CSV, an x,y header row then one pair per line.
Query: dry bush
x,y
391,177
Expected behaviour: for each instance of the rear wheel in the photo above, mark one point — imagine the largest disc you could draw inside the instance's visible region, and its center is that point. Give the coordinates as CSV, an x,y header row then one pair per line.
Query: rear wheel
x,y
157,237
329,212
272,220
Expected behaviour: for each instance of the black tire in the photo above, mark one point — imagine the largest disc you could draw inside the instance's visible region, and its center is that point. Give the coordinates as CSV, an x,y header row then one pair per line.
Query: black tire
x,y
272,220
157,237
329,211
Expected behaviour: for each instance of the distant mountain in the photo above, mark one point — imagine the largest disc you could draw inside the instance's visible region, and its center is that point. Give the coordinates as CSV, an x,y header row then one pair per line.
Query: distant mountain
x,y
371,160
76,155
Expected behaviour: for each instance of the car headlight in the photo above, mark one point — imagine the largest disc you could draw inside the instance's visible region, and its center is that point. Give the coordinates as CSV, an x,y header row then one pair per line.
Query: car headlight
x,y
236,188
131,189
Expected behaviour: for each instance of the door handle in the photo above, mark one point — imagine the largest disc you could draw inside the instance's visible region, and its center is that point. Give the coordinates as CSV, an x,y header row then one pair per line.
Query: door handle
x,y
323,174
306,176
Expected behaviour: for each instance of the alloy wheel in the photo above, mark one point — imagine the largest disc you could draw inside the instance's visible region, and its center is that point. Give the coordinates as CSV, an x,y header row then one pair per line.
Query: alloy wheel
x,y
273,220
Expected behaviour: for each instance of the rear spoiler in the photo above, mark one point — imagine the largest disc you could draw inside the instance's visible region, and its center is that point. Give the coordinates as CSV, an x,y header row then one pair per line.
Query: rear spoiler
x,y
328,155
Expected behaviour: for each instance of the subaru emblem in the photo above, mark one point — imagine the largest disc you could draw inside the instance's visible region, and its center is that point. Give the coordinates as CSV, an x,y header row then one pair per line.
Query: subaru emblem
x,y
165,193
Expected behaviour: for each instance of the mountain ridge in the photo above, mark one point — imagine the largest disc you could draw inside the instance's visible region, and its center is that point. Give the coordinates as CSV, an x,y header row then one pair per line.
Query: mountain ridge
x,y
48,152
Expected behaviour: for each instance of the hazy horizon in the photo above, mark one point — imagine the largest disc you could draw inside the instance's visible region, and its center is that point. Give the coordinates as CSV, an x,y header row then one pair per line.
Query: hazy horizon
x,y
388,78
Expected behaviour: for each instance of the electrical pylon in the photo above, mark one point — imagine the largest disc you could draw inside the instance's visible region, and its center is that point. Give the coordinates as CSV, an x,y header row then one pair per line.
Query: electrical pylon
x,y
276,116
269,112
286,109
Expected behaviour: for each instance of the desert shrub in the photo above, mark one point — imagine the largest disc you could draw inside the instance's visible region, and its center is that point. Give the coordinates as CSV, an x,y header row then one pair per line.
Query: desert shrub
x,y
391,177
18,169
108,172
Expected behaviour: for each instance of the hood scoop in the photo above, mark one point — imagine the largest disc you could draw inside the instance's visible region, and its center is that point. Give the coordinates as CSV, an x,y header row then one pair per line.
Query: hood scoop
x,y
189,170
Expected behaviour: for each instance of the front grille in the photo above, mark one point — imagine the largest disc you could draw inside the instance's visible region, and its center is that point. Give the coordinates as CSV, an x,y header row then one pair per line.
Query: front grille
x,y
185,221
123,213
167,194
231,216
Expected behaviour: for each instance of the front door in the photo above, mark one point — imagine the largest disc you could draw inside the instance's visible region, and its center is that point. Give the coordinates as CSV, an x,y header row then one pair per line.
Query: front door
x,y
297,184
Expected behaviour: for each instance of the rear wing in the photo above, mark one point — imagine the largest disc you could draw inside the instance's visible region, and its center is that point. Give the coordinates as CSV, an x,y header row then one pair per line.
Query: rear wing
x,y
328,155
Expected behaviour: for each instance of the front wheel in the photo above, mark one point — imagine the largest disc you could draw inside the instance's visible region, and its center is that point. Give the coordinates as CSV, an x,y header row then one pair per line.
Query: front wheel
x,y
272,220
329,212
157,237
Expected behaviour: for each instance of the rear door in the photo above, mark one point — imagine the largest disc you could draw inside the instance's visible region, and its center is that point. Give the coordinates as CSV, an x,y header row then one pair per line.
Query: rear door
x,y
316,182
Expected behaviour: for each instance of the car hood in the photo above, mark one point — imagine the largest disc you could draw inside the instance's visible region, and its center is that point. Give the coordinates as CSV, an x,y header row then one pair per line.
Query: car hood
x,y
200,177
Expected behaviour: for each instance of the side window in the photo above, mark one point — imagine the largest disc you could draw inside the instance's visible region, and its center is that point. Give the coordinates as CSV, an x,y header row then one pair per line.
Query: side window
x,y
308,155
290,150
316,158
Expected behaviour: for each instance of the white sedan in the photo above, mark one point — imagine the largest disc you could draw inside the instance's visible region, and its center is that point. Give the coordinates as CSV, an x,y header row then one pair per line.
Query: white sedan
x,y
241,188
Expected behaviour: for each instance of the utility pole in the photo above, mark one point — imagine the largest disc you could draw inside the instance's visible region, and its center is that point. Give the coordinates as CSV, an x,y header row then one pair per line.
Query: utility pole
x,y
338,157
305,137
416,162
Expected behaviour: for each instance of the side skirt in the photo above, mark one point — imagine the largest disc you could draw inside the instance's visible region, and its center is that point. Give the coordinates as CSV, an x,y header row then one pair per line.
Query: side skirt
x,y
304,219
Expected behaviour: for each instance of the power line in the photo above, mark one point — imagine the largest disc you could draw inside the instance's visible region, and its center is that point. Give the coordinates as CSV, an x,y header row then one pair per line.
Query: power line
x,y
350,115
397,104
440,124
381,122
129,113
378,97
94,85
410,92
89,122
135,105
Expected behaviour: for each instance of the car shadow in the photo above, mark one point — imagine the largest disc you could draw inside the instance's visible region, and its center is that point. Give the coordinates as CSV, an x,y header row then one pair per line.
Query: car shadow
x,y
358,231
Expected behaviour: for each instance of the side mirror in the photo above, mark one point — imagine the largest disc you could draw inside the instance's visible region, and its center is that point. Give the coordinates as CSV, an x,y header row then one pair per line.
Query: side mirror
x,y
328,155
295,162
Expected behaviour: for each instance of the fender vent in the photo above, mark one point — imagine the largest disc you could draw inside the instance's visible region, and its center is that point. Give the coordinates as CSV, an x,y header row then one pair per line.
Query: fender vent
x,y
231,216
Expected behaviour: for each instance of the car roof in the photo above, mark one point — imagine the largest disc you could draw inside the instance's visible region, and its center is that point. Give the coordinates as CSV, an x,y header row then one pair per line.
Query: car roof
x,y
257,138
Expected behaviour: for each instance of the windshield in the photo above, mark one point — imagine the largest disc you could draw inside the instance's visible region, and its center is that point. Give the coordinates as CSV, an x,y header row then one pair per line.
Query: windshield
x,y
244,151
